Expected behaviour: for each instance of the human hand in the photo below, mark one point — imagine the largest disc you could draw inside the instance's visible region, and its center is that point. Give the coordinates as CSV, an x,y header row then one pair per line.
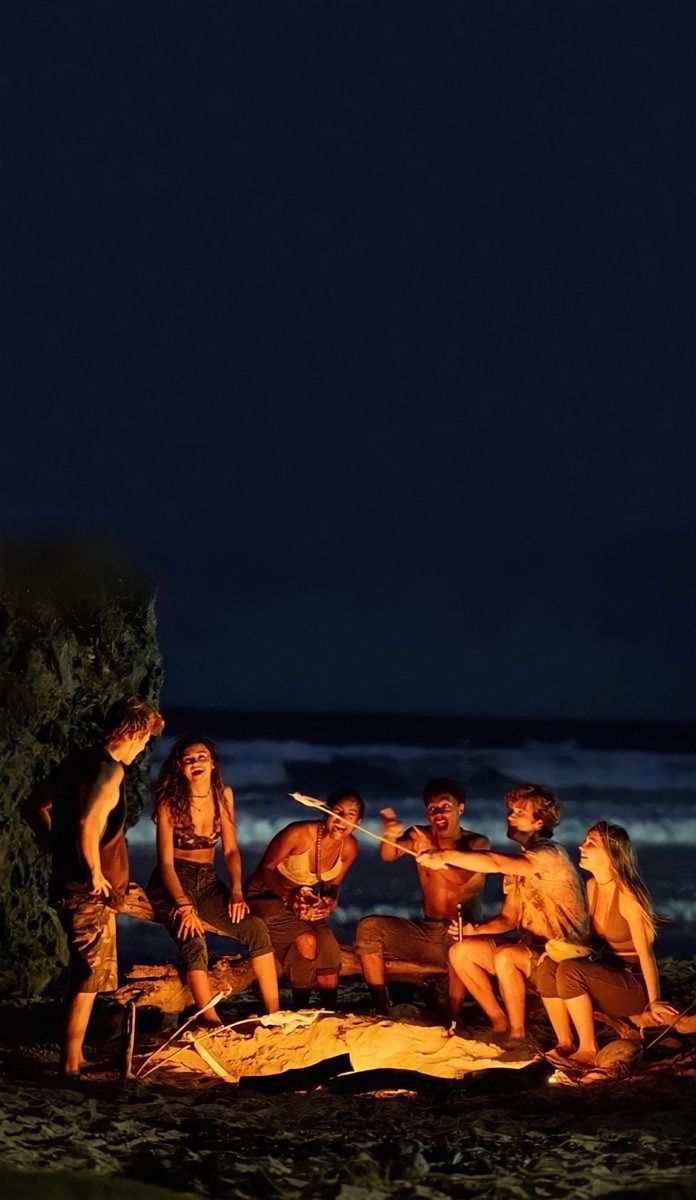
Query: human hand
x,y
317,912
237,907
391,825
468,930
434,860
100,884
189,922
661,1012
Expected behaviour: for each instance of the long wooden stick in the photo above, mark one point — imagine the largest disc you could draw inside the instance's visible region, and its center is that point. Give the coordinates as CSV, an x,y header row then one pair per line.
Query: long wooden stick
x,y
310,802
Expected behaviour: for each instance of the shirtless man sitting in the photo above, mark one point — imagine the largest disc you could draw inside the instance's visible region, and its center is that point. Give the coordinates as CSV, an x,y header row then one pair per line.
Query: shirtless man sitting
x,y
544,898
426,941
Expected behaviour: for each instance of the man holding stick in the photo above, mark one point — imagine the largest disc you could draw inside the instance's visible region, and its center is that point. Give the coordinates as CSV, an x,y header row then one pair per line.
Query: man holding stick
x,y
446,892
544,898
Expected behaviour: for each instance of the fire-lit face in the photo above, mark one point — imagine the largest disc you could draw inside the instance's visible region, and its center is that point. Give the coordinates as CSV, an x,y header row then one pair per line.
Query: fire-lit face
x,y
197,766
344,815
520,817
444,813
593,853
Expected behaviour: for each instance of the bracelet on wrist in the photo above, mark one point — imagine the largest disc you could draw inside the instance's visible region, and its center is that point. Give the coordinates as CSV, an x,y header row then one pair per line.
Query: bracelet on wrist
x,y
185,904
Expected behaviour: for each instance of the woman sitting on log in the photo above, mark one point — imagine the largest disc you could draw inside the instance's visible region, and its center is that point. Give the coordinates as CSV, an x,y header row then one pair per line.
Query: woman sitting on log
x,y
622,978
194,811
294,890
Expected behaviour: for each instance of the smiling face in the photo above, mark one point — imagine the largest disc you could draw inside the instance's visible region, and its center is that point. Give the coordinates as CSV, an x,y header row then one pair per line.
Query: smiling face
x,y
443,814
197,768
594,856
344,815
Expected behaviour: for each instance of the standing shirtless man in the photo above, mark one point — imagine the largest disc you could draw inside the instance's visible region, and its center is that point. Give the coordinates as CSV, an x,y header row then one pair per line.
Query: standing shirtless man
x,y
80,812
426,941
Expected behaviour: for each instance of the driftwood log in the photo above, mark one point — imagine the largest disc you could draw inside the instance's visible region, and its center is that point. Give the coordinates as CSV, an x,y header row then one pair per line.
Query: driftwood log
x,y
164,988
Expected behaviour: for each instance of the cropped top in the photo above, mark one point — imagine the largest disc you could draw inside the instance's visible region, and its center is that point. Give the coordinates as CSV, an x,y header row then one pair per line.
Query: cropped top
x,y
185,838
305,869
301,868
617,931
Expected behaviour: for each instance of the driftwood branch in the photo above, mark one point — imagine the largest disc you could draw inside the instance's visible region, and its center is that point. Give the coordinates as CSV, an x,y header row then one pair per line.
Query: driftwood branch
x,y
164,987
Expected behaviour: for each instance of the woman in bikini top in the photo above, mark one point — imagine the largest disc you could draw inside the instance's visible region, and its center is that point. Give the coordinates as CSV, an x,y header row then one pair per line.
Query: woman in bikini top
x,y
194,811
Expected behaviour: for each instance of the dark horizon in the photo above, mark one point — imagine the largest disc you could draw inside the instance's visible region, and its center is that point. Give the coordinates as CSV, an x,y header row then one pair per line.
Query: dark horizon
x,y
427,729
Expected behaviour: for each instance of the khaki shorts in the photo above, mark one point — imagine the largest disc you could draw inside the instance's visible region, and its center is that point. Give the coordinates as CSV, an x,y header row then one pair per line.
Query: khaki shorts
x,y
425,941
90,927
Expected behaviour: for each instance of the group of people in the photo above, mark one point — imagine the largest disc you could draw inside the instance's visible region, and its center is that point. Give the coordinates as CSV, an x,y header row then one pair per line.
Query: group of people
x,y
580,949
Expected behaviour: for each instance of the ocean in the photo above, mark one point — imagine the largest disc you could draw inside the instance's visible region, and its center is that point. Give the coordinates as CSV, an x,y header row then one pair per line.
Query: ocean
x,y
651,792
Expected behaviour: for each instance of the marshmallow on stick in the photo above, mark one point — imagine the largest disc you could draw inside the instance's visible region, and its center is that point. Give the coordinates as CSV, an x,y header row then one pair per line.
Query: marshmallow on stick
x,y
310,802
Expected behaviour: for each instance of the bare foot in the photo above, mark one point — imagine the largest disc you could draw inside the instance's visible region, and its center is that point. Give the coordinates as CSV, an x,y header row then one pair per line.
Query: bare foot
x,y
585,1058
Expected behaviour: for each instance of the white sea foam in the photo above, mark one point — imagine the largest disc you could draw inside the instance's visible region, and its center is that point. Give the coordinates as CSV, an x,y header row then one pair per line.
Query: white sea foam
x,y
679,910
262,764
678,829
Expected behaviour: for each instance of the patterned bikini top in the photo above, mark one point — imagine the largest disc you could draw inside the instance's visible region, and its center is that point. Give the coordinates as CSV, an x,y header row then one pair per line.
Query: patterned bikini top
x,y
185,838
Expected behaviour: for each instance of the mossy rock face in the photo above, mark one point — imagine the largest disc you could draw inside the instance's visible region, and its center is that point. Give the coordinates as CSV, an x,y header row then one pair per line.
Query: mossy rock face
x,y
77,633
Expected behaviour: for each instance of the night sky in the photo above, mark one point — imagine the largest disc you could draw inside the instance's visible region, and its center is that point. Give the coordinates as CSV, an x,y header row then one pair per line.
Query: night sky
x,y
368,329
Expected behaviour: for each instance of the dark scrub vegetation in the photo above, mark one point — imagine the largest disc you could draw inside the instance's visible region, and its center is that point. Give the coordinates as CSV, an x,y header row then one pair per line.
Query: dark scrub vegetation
x,y
77,633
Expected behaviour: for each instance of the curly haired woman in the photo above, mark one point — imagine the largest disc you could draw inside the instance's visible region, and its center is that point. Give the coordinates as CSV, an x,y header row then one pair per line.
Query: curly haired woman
x,y
193,811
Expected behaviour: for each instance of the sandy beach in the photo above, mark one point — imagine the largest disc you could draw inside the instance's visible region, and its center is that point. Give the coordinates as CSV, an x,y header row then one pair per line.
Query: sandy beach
x,y
501,1134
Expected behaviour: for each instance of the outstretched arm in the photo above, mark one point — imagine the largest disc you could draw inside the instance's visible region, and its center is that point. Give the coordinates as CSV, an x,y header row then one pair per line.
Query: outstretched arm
x,y
486,862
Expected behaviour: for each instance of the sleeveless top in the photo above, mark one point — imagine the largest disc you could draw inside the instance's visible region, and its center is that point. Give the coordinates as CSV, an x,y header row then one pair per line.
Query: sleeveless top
x,y
617,931
304,869
70,785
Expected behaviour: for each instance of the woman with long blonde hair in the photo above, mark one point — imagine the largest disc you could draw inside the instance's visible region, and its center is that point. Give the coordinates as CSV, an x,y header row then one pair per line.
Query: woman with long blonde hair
x,y
622,979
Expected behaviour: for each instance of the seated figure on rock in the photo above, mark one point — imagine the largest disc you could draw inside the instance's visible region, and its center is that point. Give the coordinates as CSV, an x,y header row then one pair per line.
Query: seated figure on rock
x,y
620,979
544,898
294,889
446,892
194,811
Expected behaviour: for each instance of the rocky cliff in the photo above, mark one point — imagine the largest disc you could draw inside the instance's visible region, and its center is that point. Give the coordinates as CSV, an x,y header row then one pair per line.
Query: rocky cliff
x,y
77,633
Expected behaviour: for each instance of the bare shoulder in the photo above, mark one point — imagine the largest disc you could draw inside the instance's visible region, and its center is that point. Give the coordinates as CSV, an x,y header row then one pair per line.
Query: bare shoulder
x,y
228,801
629,905
109,774
105,788
475,841
297,833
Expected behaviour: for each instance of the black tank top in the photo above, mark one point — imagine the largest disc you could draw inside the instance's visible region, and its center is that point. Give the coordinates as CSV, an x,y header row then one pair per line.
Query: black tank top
x,y
72,783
